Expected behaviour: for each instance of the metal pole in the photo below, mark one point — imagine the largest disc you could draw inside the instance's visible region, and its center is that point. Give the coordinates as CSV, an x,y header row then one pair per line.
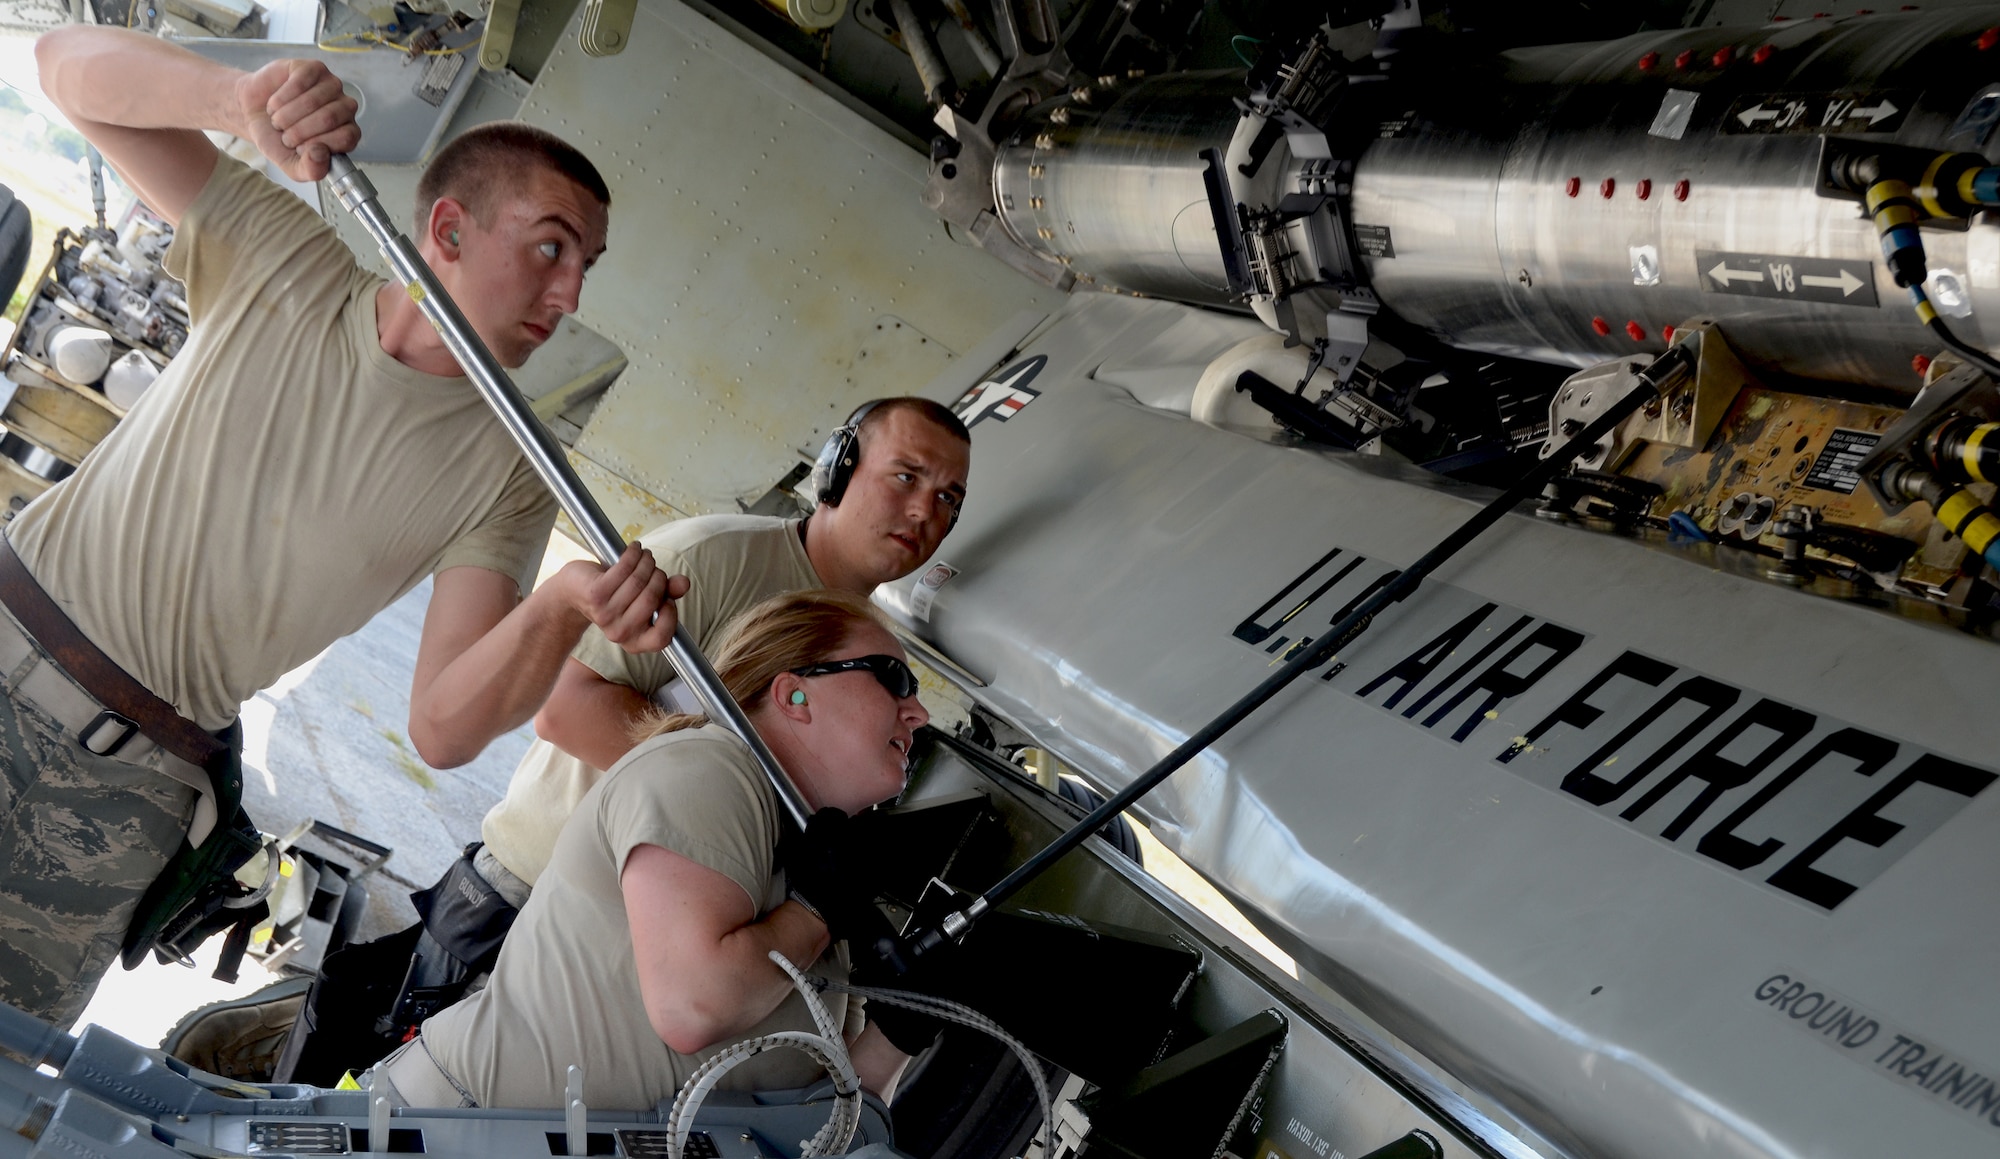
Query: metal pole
x,y
1654,381
546,455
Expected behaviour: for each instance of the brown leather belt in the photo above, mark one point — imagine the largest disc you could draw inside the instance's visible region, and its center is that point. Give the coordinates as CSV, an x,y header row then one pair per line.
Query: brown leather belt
x,y
96,673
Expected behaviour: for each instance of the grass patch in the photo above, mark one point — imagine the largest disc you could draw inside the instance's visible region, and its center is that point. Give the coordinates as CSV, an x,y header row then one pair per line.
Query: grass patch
x,y
406,760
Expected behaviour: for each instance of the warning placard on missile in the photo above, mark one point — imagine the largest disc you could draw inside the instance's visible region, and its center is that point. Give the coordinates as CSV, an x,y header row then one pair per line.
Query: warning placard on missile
x,y
1840,281
1818,112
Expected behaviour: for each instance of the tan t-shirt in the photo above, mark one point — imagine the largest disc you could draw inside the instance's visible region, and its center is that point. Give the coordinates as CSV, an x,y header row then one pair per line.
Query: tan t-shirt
x,y
283,480
566,989
733,562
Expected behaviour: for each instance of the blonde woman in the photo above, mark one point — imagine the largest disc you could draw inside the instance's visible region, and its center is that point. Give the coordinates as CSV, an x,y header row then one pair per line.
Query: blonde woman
x,y
643,948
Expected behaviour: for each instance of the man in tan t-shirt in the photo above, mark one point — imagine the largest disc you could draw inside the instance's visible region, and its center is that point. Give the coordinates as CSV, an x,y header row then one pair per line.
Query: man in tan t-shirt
x,y
903,495
312,454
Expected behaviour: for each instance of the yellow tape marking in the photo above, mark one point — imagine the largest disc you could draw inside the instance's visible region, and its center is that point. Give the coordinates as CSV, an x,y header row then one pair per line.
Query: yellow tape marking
x,y
1982,533
1927,192
1957,508
1978,436
416,292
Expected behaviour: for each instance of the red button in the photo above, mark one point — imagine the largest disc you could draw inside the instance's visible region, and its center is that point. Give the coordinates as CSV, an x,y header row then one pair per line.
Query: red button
x,y
1685,58
1723,55
1644,189
1988,39
1764,52
1607,187
1667,332
1573,186
1647,61
1921,364
1636,331
1602,327
1681,190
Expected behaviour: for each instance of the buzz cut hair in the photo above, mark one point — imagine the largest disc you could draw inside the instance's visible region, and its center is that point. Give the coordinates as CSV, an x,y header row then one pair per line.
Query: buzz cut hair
x,y
937,414
482,163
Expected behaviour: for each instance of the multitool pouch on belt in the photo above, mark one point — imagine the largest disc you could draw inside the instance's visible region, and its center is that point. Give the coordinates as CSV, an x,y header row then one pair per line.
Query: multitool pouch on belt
x,y
466,916
198,895
464,922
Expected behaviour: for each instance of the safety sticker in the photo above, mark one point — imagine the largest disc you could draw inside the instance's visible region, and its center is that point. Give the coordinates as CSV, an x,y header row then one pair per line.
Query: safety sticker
x,y
1374,241
1908,1059
1397,126
1002,396
1676,109
924,595
1871,112
1838,467
1840,281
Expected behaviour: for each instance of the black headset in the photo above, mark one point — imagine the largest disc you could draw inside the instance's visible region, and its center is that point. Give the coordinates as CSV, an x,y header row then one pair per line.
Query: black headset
x,y
834,469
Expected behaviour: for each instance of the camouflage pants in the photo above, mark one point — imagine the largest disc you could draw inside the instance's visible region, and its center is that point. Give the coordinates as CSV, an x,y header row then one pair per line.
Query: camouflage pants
x,y
81,837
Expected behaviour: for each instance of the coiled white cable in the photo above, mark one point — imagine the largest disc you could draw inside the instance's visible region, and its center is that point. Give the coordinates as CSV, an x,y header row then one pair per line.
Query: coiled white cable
x,y
949,1011
827,1048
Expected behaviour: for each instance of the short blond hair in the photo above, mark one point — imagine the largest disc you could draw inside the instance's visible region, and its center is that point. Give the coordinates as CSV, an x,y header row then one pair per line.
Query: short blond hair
x,y
782,633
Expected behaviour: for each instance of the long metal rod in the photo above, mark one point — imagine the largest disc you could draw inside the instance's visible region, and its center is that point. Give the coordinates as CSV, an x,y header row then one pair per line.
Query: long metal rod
x,y
1653,382
357,194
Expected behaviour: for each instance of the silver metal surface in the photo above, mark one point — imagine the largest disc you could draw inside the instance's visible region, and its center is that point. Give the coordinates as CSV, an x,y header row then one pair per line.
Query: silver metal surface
x,y
1555,197
545,455
1586,973
1120,195
1493,252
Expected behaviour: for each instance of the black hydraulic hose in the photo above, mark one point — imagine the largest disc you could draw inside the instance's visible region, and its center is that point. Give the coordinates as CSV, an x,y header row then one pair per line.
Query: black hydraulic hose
x,y
1973,354
1896,209
1653,382
1954,450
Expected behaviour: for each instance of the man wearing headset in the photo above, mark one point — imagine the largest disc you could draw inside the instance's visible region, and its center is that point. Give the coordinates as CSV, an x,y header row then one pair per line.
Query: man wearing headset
x,y
889,483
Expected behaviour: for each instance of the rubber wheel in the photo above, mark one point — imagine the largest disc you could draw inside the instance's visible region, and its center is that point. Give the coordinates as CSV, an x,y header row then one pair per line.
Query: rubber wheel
x,y
967,1097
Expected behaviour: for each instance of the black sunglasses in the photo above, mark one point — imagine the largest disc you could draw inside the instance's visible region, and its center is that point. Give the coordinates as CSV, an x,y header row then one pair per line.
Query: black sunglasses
x,y
891,672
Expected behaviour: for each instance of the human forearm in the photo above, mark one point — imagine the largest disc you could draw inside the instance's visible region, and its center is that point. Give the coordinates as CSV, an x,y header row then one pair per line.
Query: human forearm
x,y
589,717
488,658
111,76
496,682
143,102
